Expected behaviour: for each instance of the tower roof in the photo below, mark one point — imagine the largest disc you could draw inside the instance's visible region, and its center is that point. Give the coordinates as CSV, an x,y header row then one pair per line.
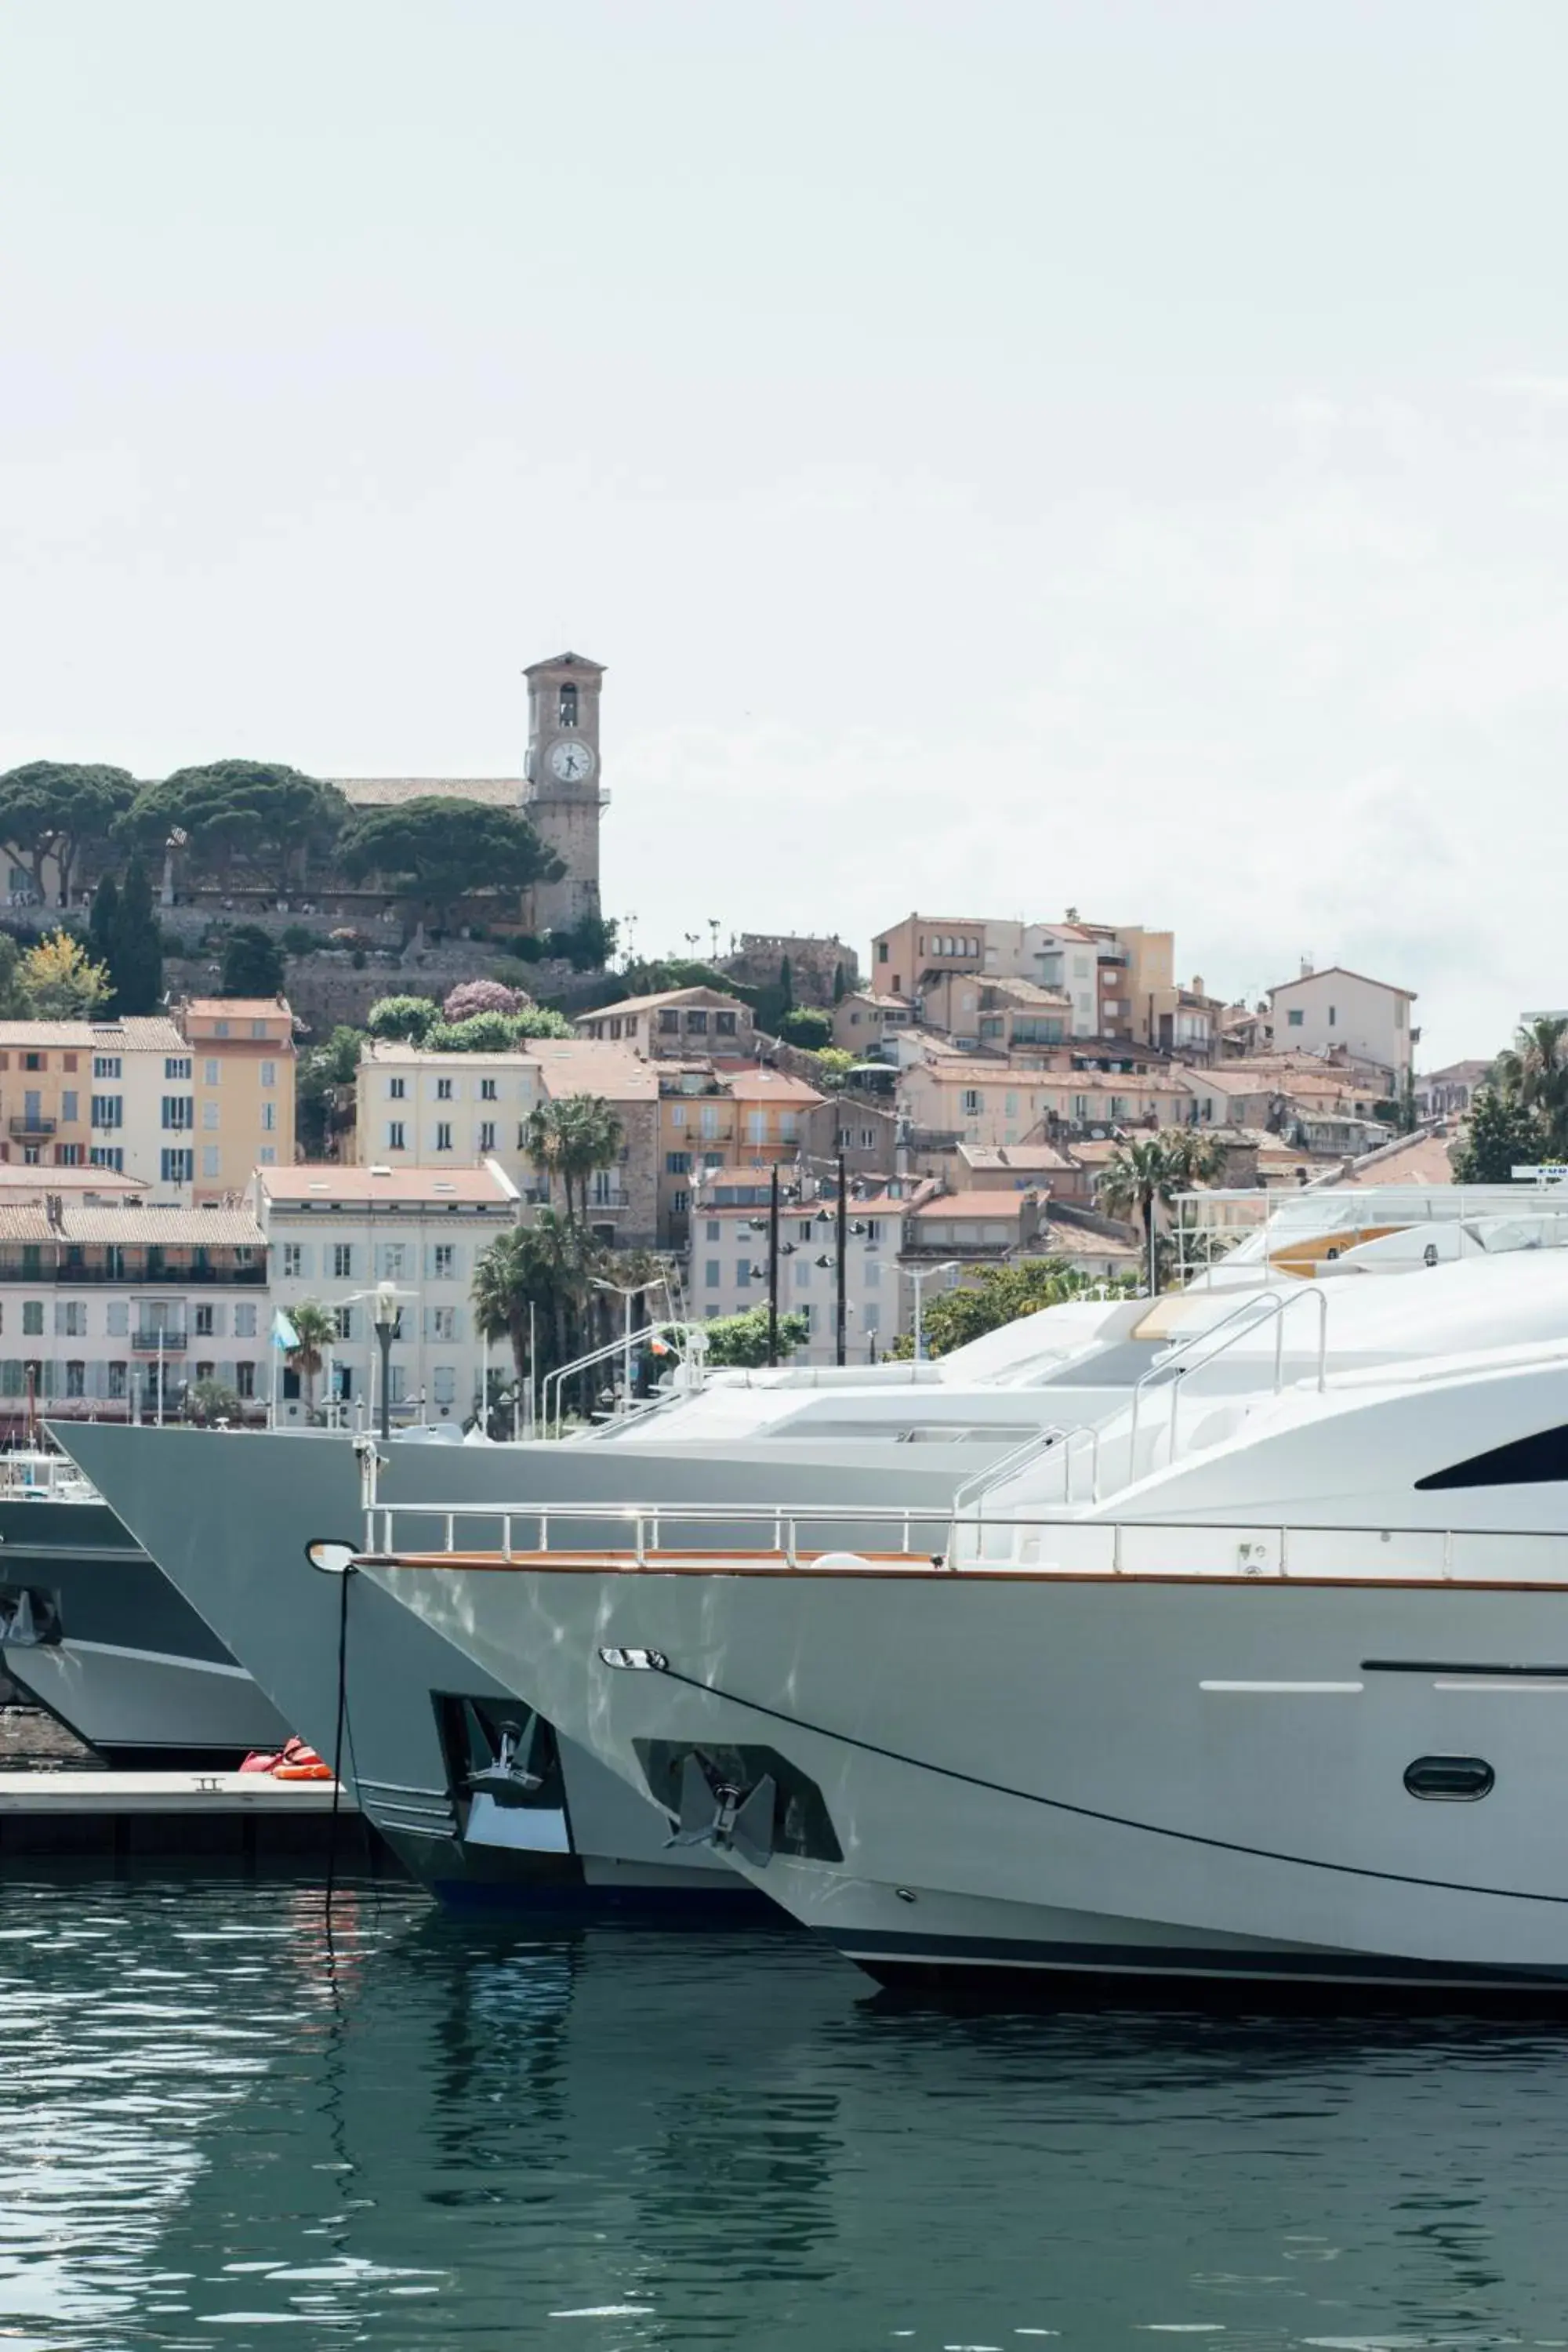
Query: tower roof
x,y
565,661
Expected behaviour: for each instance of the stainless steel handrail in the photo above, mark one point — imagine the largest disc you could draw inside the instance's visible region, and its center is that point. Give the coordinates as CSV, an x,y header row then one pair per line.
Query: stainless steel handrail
x,y
612,1348
1254,1548
1251,1316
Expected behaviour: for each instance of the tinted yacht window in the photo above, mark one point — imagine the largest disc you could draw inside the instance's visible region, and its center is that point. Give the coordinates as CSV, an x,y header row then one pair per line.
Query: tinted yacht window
x,y
1523,1462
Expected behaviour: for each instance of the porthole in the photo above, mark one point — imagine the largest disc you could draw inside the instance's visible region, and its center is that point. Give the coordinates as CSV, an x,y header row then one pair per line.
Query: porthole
x,y
1450,1780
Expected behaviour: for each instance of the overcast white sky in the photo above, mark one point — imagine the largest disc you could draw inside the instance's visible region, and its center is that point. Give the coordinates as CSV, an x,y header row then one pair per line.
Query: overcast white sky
x,y
1107,453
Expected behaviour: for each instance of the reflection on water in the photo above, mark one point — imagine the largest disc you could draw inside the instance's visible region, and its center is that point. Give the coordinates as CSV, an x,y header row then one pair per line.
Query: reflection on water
x,y
474,2138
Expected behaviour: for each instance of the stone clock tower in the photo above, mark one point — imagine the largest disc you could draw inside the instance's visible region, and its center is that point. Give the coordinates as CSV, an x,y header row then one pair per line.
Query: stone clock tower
x,y
562,793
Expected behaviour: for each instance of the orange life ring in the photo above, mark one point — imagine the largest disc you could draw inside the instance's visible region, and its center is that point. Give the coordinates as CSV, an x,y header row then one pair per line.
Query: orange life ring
x,y
317,1771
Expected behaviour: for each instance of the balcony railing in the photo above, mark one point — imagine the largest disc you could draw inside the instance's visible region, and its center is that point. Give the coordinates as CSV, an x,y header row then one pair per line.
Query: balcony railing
x,y
159,1343
164,1277
30,1123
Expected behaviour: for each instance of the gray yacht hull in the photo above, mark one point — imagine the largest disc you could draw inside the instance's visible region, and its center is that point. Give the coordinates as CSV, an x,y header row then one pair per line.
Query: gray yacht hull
x,y
111,1651
228,1516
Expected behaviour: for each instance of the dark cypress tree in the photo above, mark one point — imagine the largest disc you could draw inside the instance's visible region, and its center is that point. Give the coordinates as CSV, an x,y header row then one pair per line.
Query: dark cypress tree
x,y
786,983
136,958
101,928
840,985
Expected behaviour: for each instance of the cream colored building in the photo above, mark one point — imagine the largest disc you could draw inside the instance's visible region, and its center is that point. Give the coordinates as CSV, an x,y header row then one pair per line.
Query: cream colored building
x,y
676,1023
1320,1011
333,1233
417,1108
978,1101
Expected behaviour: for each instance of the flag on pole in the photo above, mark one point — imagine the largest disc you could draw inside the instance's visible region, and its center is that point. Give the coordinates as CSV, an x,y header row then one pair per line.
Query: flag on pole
x,y
284,1336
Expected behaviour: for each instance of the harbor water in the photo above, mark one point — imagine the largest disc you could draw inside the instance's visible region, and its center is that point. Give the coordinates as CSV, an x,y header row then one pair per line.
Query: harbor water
x,y
219,2131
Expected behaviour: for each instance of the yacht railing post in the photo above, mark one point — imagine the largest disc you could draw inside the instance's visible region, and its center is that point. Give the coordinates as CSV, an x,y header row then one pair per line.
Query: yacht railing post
x,y
451,1531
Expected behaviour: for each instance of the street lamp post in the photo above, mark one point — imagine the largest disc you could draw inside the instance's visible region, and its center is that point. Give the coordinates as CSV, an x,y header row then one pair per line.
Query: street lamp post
x,y
773,1266
920,1275
386,1313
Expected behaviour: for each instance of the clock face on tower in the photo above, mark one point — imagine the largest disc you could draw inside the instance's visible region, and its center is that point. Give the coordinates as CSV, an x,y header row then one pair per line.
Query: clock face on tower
x,y
570,762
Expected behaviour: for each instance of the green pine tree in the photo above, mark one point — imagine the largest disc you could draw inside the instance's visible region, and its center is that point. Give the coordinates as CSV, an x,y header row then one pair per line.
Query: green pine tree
x,y
1503,1134
136,946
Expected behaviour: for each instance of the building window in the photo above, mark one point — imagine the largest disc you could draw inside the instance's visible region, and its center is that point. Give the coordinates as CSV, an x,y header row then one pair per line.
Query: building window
x,y
395,1090
680,1201
343,1261
35,1061
669,1021
179,1111
392,1268
210,1068
106,1066
972,1101
743,1272
443,1322
444,1259
443,1089
710,1279
486,1090
881,951
179,1167
293,1260
678,1163
395,1134
32,1318
267,1155
245,1378
488,1135
211,1165
70,1318
68,1155
724,1025
696,1022
205,1370
245,1318
108,1111
443,1136
210,1117
803,1274
202,1321
269,1074
872,1272
268,1119
117,1380
343,1316
872,1317
75,1378
68,1106
106,1155
220,1028
567,707
176,1066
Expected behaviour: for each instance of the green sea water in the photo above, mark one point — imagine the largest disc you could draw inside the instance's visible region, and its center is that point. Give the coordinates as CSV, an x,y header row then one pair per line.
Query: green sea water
x,y
215,2132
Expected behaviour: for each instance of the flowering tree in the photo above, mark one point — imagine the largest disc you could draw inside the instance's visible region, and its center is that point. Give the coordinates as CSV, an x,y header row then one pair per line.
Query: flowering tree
x,y
471,996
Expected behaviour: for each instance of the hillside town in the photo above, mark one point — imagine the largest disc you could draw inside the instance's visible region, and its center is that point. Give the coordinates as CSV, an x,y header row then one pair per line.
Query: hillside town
x,y
277,1041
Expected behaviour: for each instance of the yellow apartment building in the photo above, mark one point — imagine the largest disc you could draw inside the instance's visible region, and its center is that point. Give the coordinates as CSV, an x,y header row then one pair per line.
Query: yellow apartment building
x,y
241,1051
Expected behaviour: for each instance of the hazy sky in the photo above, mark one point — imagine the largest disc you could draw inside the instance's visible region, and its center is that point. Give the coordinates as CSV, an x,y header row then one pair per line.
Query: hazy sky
x,y
1008,456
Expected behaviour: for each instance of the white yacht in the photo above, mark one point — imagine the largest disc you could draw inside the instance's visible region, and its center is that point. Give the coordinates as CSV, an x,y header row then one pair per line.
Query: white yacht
x,y
1285,1707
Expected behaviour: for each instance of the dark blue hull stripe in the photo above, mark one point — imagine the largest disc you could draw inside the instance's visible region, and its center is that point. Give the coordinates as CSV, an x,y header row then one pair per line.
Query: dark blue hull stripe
x,y
874,1948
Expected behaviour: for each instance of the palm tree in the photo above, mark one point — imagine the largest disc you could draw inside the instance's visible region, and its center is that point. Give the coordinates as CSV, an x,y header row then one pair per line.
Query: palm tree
x,y
1143,1175
1533,1072
545,1266
315,1330
574,1137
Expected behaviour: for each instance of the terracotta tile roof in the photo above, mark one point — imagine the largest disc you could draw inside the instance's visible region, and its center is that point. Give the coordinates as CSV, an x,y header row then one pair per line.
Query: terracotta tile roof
x,y
1414,1159
170,1228
1345,971
1077,1240
384,791
21,1222
149,1033
239,1008
1023,1159
769,1086
20,1181
1006,1206
314,1184
586,1065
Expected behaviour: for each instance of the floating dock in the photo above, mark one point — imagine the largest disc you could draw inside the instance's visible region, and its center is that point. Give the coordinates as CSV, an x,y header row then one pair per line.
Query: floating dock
x,y
245,1818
